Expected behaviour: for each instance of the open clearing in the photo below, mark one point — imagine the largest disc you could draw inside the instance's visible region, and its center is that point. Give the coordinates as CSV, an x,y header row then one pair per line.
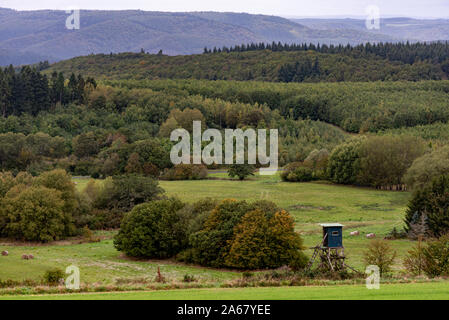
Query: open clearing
x,y
413,291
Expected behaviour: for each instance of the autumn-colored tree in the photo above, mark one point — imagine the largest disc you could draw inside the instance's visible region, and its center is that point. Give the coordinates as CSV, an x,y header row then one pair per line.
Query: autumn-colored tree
x,y
133,165
380,253
264,241
34,214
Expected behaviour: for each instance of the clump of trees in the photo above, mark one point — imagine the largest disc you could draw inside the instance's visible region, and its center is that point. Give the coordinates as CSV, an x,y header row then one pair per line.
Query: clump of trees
x,y
37,209
312,168
428,211
48,207
152,230
29,91
377,161
104,203
231,233
428,167
384,160
430,258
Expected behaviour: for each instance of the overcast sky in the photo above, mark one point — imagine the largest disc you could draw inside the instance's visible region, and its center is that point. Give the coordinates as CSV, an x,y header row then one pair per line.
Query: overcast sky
x,y
410,8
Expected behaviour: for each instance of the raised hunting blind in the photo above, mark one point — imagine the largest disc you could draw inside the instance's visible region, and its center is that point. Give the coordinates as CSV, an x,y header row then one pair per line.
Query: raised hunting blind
x,y
332,235
330,251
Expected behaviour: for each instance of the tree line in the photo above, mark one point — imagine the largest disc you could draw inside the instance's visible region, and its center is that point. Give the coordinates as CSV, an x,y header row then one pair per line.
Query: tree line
x,y
29,91
264,65
405,52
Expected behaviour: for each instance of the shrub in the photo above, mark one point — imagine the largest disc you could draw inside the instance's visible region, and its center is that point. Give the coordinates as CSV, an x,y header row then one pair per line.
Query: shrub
x,y
89,236
298,173
53,277
103,219
432,202
381,254
188,278
264,241
414,261
185,172
150,170
122,193
34,214
152,230
317,159
241,171
436,257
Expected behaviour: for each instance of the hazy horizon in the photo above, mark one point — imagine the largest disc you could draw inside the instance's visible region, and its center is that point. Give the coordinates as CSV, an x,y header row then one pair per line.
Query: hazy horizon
x,y
432,9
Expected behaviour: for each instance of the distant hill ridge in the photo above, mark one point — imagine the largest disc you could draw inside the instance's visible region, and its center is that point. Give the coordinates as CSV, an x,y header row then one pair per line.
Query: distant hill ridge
x,y
31,36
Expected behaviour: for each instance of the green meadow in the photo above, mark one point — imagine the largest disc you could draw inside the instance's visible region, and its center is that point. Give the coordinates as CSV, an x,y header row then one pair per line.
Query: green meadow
x,y
403,291
363,209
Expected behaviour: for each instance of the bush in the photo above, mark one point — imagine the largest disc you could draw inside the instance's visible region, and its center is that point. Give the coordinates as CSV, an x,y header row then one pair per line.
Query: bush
x,y
122,193
152,230
431,202
297,173
188,278
436,257
185,172
414,261
53,277
380,253
246,236
264,241
34,214
241,171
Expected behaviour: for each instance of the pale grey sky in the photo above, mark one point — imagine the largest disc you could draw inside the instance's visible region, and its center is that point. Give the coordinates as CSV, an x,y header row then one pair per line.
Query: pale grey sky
x,y
410,8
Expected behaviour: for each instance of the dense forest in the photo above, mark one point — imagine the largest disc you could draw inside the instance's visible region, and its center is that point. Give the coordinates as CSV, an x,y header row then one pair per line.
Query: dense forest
x,y
355,107
276,63
30,92
410,53
123,126
101,130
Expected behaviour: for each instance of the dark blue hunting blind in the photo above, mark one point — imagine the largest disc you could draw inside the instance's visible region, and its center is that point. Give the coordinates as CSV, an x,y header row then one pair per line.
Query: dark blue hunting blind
x,y
332,235
330,252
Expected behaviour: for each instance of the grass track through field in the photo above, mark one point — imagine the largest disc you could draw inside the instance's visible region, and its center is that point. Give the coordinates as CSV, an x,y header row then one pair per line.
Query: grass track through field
x,y
412,291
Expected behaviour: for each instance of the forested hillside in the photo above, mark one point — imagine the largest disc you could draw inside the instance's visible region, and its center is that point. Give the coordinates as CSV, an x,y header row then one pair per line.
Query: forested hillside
x,y
275,62
355,107
95,130
30,36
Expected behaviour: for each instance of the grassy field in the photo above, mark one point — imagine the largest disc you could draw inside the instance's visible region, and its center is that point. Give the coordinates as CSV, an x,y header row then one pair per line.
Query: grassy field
x,y
413,291
362,209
